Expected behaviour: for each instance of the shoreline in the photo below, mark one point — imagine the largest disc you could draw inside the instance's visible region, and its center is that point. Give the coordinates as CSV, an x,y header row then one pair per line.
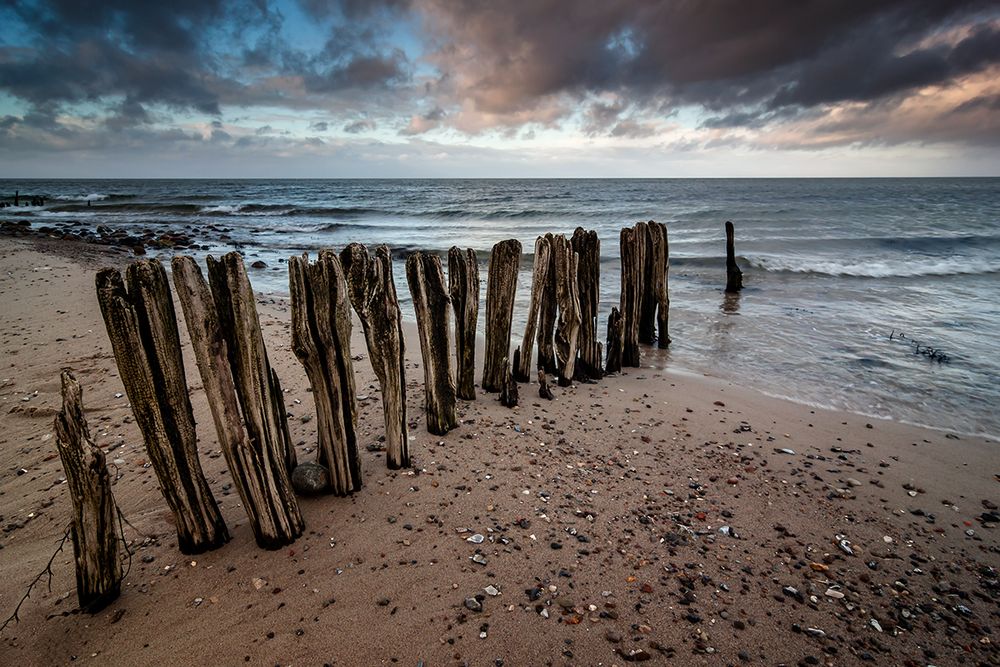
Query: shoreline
x,y
660,462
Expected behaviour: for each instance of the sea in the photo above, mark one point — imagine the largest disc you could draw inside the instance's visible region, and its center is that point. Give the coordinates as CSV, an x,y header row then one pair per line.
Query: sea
x,y
876,296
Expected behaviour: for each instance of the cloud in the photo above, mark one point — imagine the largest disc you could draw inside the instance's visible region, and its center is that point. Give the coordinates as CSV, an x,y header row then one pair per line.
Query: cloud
x,y
358,126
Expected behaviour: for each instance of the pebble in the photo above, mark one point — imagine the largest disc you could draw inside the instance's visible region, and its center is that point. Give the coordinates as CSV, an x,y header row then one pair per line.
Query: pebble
x,y
475,539
310,478
492,590
472,604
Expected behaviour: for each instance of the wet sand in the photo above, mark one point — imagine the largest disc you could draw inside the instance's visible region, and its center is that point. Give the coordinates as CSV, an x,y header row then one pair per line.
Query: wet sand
x,y
652,516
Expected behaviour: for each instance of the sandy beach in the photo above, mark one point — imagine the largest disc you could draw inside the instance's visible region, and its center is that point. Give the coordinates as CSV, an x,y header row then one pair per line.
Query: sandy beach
x,y
653,516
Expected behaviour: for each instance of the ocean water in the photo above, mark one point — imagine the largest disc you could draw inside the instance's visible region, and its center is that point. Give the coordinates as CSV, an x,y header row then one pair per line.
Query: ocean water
x,y
834,269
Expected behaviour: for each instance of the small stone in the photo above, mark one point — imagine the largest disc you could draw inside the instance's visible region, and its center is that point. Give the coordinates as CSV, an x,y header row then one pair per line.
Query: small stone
x,y
479,559
383,602
475,539
784,450
310,478
876,625
259,264
472,604
613,637
635,655
492,590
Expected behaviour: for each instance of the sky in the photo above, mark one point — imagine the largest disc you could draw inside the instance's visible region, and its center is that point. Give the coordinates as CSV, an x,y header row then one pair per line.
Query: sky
x,y
523,88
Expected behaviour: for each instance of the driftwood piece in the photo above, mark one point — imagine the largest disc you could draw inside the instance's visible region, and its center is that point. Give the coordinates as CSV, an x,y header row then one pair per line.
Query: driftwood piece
x,y
616,337
588,279
734,277
257,387
501,284
633,263
321,340
539,283
260,476
143,331
547,308
655,304
463,285
373,295
565,262
96,535
431,304
508,390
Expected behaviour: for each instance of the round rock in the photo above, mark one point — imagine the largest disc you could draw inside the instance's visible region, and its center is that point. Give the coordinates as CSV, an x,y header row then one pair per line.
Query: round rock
x,y
310,479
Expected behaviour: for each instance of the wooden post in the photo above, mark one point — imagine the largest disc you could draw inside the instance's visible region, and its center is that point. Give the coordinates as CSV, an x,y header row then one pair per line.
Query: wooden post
x,y
547,314
259,475
256,382
647,300
565,262
633,263
96,535
655,301
143,331
539,283
734,277
501,284
616,338
508,391
588,248
321,339
373,295
544,391
430,304
463,284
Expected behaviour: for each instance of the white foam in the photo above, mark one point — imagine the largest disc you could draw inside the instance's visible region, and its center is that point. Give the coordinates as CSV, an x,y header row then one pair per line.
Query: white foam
x,y
872,268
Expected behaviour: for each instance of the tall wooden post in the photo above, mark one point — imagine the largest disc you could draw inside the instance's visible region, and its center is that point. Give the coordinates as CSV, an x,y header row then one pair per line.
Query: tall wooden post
x,y
501,284
95,529
588,249
616,340
656,302
256,382
431,304
463,284
143,331
321,339
633,263
373,295
259,474
734,277
565,262
539,283
547,307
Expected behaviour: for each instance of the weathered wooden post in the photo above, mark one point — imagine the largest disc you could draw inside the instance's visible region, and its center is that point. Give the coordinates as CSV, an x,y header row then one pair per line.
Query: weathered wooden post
x,y
633,263
508,390
734,277
321,340
256,382
431,304
373,295
544,391
547,307
588,248
95,529
656,281
616,339
259,473
501,284
539,283
565,263
143,331
463,284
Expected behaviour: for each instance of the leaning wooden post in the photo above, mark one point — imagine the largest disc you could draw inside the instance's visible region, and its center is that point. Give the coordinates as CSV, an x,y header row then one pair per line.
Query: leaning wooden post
x,y
734,277
588,248
539,282
373,295
96,531
259,475
631,293
508,391
501,284
431,304
256,382
463,285
565,262
616,338
547,314
143,331
321,339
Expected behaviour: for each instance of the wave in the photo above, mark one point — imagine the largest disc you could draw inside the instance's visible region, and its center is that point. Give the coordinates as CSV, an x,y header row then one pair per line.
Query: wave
x,y
873,268
93,196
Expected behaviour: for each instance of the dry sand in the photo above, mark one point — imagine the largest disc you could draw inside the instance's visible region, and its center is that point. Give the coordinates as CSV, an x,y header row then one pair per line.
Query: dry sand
x,y
601,512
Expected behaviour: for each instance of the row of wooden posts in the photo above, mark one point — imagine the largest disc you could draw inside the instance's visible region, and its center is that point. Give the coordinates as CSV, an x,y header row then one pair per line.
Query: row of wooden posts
x,y
245,395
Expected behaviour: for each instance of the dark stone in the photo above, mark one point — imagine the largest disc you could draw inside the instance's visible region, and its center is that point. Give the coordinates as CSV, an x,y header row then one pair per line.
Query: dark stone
x,y
309,479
